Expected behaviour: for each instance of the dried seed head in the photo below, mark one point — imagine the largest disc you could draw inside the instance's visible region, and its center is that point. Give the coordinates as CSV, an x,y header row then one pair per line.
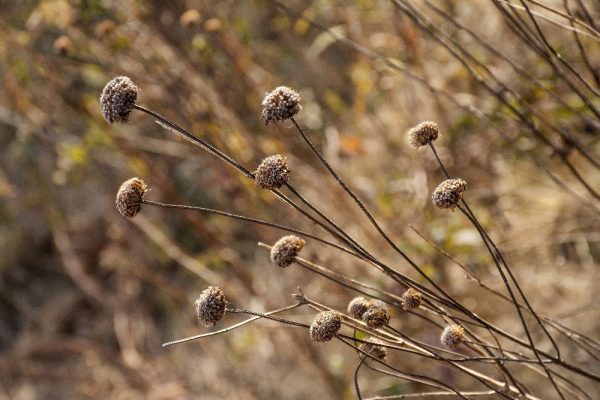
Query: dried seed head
x,y
374,347
211,305
423,134
118,98
411,299
272,173
448,193
377,314
130,196
452,336
280,104
285,250
357,307
325,326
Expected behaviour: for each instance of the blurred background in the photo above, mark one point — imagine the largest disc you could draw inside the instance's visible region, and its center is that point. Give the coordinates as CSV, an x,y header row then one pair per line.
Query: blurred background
x,y
87,297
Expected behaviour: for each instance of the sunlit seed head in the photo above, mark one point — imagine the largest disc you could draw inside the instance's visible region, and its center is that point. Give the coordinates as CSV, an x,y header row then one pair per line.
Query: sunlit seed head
x,y
118,99
130,196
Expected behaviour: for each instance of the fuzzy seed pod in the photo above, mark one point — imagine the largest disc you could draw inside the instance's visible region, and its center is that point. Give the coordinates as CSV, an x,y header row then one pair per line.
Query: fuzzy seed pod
x,y
374,348
118,98
211,305
272,173
130,196
357,307
411,299
452,336
448,193
285,250
325,326
377,314
423,134
280,104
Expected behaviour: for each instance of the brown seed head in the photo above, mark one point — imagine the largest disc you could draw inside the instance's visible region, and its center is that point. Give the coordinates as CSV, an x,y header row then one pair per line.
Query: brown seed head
x,y
130,196
272,173
411,299
423,134
377,314
118,98
325,326
211,305
285,250
357,307
280,104
374,348
452,336
448,193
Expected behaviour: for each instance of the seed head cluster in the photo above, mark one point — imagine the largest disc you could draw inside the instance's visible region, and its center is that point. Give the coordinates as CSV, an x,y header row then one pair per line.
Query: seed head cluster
x,y
130,196
452,336
357,307
272,173
325,325
118,98
411,299
285,250
448,193
377,314
423,134
280,104
211,306
374,348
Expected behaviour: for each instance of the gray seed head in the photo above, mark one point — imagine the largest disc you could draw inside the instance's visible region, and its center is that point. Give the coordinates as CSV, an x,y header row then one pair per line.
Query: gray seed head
x,y
325,325
423,134
285,250
272,173
130,196
374,348
357,307
452,336
411,299
377,314
211,305
448,193
118,98
280,104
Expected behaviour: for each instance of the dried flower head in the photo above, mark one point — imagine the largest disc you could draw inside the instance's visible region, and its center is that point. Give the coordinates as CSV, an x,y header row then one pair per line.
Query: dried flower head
x,y
377,314
130,196
118,98
325,325
374,348
448,193
411,299
280,104
423,134
211,306
452,336
272,173
285,250
357,307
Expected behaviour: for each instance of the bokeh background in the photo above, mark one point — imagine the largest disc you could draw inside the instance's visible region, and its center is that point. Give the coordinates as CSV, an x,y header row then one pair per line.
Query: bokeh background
x,y
88,297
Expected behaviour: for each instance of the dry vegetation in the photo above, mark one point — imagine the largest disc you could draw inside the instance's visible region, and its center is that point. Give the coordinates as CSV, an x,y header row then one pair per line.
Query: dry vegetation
x,y
87,297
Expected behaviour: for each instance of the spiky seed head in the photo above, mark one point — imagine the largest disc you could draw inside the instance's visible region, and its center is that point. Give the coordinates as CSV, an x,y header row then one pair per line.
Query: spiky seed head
x,y
285,250
211,306
130,196
423,134
325,325
280,104
357,307
452,336
118,98
448,193
411,299
377,314
272,173
374,347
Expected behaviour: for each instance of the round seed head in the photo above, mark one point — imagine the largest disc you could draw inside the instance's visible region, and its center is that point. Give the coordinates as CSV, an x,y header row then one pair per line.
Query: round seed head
x,y
423,134
280,104
118,98
211,305
452,336
285,250
448,193
374,347
357,307
130,196
377,314
272,173
411,299
325,326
